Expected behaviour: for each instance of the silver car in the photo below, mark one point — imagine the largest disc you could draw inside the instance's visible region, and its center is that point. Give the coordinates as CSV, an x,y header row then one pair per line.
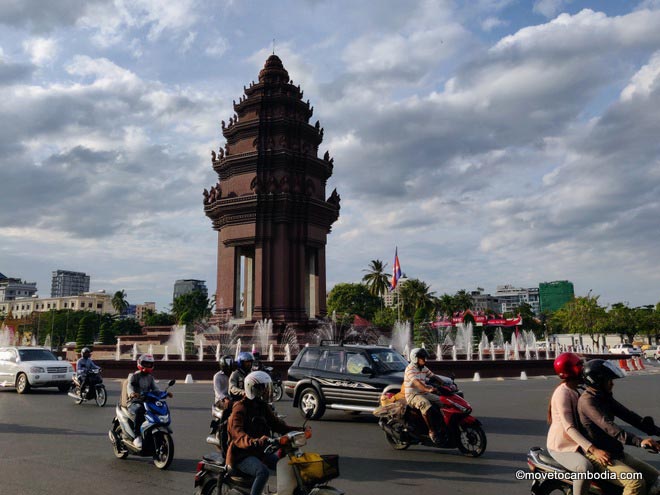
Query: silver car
x,y
28,367
652,352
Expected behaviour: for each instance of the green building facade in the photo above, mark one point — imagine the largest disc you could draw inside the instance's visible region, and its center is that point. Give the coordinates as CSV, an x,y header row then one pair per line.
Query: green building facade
x,y
553,295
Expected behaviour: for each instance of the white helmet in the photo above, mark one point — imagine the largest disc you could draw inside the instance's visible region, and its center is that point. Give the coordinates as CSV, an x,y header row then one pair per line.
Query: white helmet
x,y
418,352
258,386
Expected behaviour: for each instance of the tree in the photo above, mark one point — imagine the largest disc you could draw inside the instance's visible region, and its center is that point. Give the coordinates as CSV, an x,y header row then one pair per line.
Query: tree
x,y
384,318
85,335
161,319
463,300
376,280
127,326
582,315
352,299
191,307
105,335
621,320
415,294
119,302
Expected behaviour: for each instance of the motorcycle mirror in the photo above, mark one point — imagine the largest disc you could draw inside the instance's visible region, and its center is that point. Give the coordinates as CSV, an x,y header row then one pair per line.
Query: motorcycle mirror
x,y
59,358
172,382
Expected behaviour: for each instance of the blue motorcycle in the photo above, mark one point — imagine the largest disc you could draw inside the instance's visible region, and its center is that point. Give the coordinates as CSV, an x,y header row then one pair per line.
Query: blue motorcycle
x,y
154,432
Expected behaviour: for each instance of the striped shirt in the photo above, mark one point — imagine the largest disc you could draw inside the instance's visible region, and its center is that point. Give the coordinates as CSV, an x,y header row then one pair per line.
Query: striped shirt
x,y
413,373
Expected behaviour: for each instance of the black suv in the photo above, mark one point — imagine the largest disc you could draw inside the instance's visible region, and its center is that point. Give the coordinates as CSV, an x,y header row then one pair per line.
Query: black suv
x,y
344,377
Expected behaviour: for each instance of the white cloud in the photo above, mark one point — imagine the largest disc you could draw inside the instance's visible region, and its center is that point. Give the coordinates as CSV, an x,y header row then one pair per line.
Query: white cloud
x,y
549,8
40,50
218,47
491,23
644,81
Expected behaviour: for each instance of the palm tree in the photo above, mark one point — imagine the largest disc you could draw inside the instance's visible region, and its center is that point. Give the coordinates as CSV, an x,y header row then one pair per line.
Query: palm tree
x,y
415,295
376,280
119,302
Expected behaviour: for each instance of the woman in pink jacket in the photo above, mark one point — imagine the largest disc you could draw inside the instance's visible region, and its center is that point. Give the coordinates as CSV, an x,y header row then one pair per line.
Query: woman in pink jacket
x,y
565,442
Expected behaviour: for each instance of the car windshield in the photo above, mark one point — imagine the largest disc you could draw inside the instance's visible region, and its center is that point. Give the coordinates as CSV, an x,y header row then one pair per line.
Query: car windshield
x,y
387,360
36,355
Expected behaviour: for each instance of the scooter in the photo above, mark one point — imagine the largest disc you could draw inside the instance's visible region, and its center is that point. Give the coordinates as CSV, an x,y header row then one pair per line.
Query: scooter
x,y
552,476
93,390
297,472
218,434
155,431
278,391
404,425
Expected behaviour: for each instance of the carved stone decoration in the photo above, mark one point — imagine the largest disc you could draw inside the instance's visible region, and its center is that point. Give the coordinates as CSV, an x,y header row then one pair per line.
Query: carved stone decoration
x,y
334,198
221,152
272,185
213,156
224,125
256,185
326,156
317,126
206,196
284,184
297,184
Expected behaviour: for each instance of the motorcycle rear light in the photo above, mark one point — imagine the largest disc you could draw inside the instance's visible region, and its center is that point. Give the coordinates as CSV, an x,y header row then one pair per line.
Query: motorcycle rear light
x,y
200,468
388,395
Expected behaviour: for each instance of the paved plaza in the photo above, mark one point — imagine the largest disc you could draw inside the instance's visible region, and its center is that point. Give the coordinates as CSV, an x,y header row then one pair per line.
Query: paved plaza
x,y
50,446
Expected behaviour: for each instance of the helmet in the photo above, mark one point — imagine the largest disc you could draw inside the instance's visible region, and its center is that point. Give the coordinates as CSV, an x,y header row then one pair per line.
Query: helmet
x,y
598,372
418,352
258,386
85,352
244,357
568,365
145,363
227,364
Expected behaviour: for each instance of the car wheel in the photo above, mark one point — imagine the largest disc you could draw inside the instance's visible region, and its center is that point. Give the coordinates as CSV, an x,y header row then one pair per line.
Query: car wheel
x,y
22,383
311,403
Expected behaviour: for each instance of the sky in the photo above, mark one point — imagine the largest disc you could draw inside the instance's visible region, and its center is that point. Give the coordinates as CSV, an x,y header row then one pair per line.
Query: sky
x,y
492,141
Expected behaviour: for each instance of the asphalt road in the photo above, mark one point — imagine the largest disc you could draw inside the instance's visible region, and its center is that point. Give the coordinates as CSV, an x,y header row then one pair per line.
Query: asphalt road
x,y
49,445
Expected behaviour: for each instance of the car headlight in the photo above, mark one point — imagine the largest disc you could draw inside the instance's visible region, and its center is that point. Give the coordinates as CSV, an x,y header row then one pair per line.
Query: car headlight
x,y
37,369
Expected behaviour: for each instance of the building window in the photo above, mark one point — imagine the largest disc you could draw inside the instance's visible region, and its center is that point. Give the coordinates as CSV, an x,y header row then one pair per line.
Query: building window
x,y
99,306
244,282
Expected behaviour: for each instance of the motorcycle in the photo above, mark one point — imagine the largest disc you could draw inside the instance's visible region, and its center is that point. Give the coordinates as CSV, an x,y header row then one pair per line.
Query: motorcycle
x,y
404,425
297,472
218,434
278,391
554,476
93,390
155,431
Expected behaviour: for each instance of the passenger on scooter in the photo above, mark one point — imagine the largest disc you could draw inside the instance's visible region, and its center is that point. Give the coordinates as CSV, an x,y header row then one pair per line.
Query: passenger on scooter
x,y
251,424
138,384
420,395
597,409
221,382
243,368
565,442
84,365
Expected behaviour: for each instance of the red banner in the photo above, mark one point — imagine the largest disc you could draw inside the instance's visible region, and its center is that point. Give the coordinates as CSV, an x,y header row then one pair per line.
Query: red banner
x,y
480,320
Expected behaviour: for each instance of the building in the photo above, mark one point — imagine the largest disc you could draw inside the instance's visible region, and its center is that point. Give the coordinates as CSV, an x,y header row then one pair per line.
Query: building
x,y
189,285
141,309
270,207
15,288
98,302
509,298
484,303
66,283
391,296
553,295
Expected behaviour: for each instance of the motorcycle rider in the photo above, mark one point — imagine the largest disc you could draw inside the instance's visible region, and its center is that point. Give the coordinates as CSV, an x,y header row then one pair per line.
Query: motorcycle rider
x,y
420,395
243,368
138,384
251,423
597,409
221,382
83,366
257,365
565,442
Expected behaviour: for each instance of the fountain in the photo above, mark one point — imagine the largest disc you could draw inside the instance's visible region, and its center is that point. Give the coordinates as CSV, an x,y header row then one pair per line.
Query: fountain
x,y
401,337
254,348
177,340
464,339
492,350
290,342
438,352
506,351
528,355
201,350
7,335
33,341
47,343
271,353
287,352
151,349
262,331
118,350
498,338
454,354
218,354
483,345
135,352
166,356
238,348
514,345
406,351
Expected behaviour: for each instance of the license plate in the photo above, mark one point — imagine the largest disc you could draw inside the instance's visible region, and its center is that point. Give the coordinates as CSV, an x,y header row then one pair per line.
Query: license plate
x,y
59,377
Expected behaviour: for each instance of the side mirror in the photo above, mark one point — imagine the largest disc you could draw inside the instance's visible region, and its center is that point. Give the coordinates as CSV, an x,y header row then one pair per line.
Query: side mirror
x,y
171,382
367,371
59,358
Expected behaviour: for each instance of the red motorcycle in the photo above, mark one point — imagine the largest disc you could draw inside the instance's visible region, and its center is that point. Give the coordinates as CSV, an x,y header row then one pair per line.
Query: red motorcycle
x,y
404,425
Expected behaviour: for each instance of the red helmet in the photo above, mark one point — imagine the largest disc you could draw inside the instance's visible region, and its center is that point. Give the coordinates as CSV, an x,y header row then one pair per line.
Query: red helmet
x,y
568,365
146,363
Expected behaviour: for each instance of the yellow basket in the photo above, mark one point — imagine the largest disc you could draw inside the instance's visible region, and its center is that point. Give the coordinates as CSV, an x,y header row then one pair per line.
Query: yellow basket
x,y
314,468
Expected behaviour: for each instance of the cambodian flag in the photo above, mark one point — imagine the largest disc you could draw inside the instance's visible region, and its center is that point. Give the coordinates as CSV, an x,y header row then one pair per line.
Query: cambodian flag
x,y
396,272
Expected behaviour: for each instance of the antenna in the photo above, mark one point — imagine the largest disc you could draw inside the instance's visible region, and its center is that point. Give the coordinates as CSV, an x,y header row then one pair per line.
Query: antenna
x,y
273,46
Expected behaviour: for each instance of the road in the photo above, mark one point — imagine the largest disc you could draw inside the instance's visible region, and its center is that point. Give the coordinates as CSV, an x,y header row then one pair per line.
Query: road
x,y
49,445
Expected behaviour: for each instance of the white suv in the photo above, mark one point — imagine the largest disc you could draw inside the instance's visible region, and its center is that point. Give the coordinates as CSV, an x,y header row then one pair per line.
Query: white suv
x,y
27,367
626,349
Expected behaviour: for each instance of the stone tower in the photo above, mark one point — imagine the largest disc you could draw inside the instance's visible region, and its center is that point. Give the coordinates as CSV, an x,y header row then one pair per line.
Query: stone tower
x,y
269,207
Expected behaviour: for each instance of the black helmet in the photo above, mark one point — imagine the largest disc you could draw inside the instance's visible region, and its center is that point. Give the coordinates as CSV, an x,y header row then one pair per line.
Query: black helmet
x,y
85,352
597,372
227,364
417,353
